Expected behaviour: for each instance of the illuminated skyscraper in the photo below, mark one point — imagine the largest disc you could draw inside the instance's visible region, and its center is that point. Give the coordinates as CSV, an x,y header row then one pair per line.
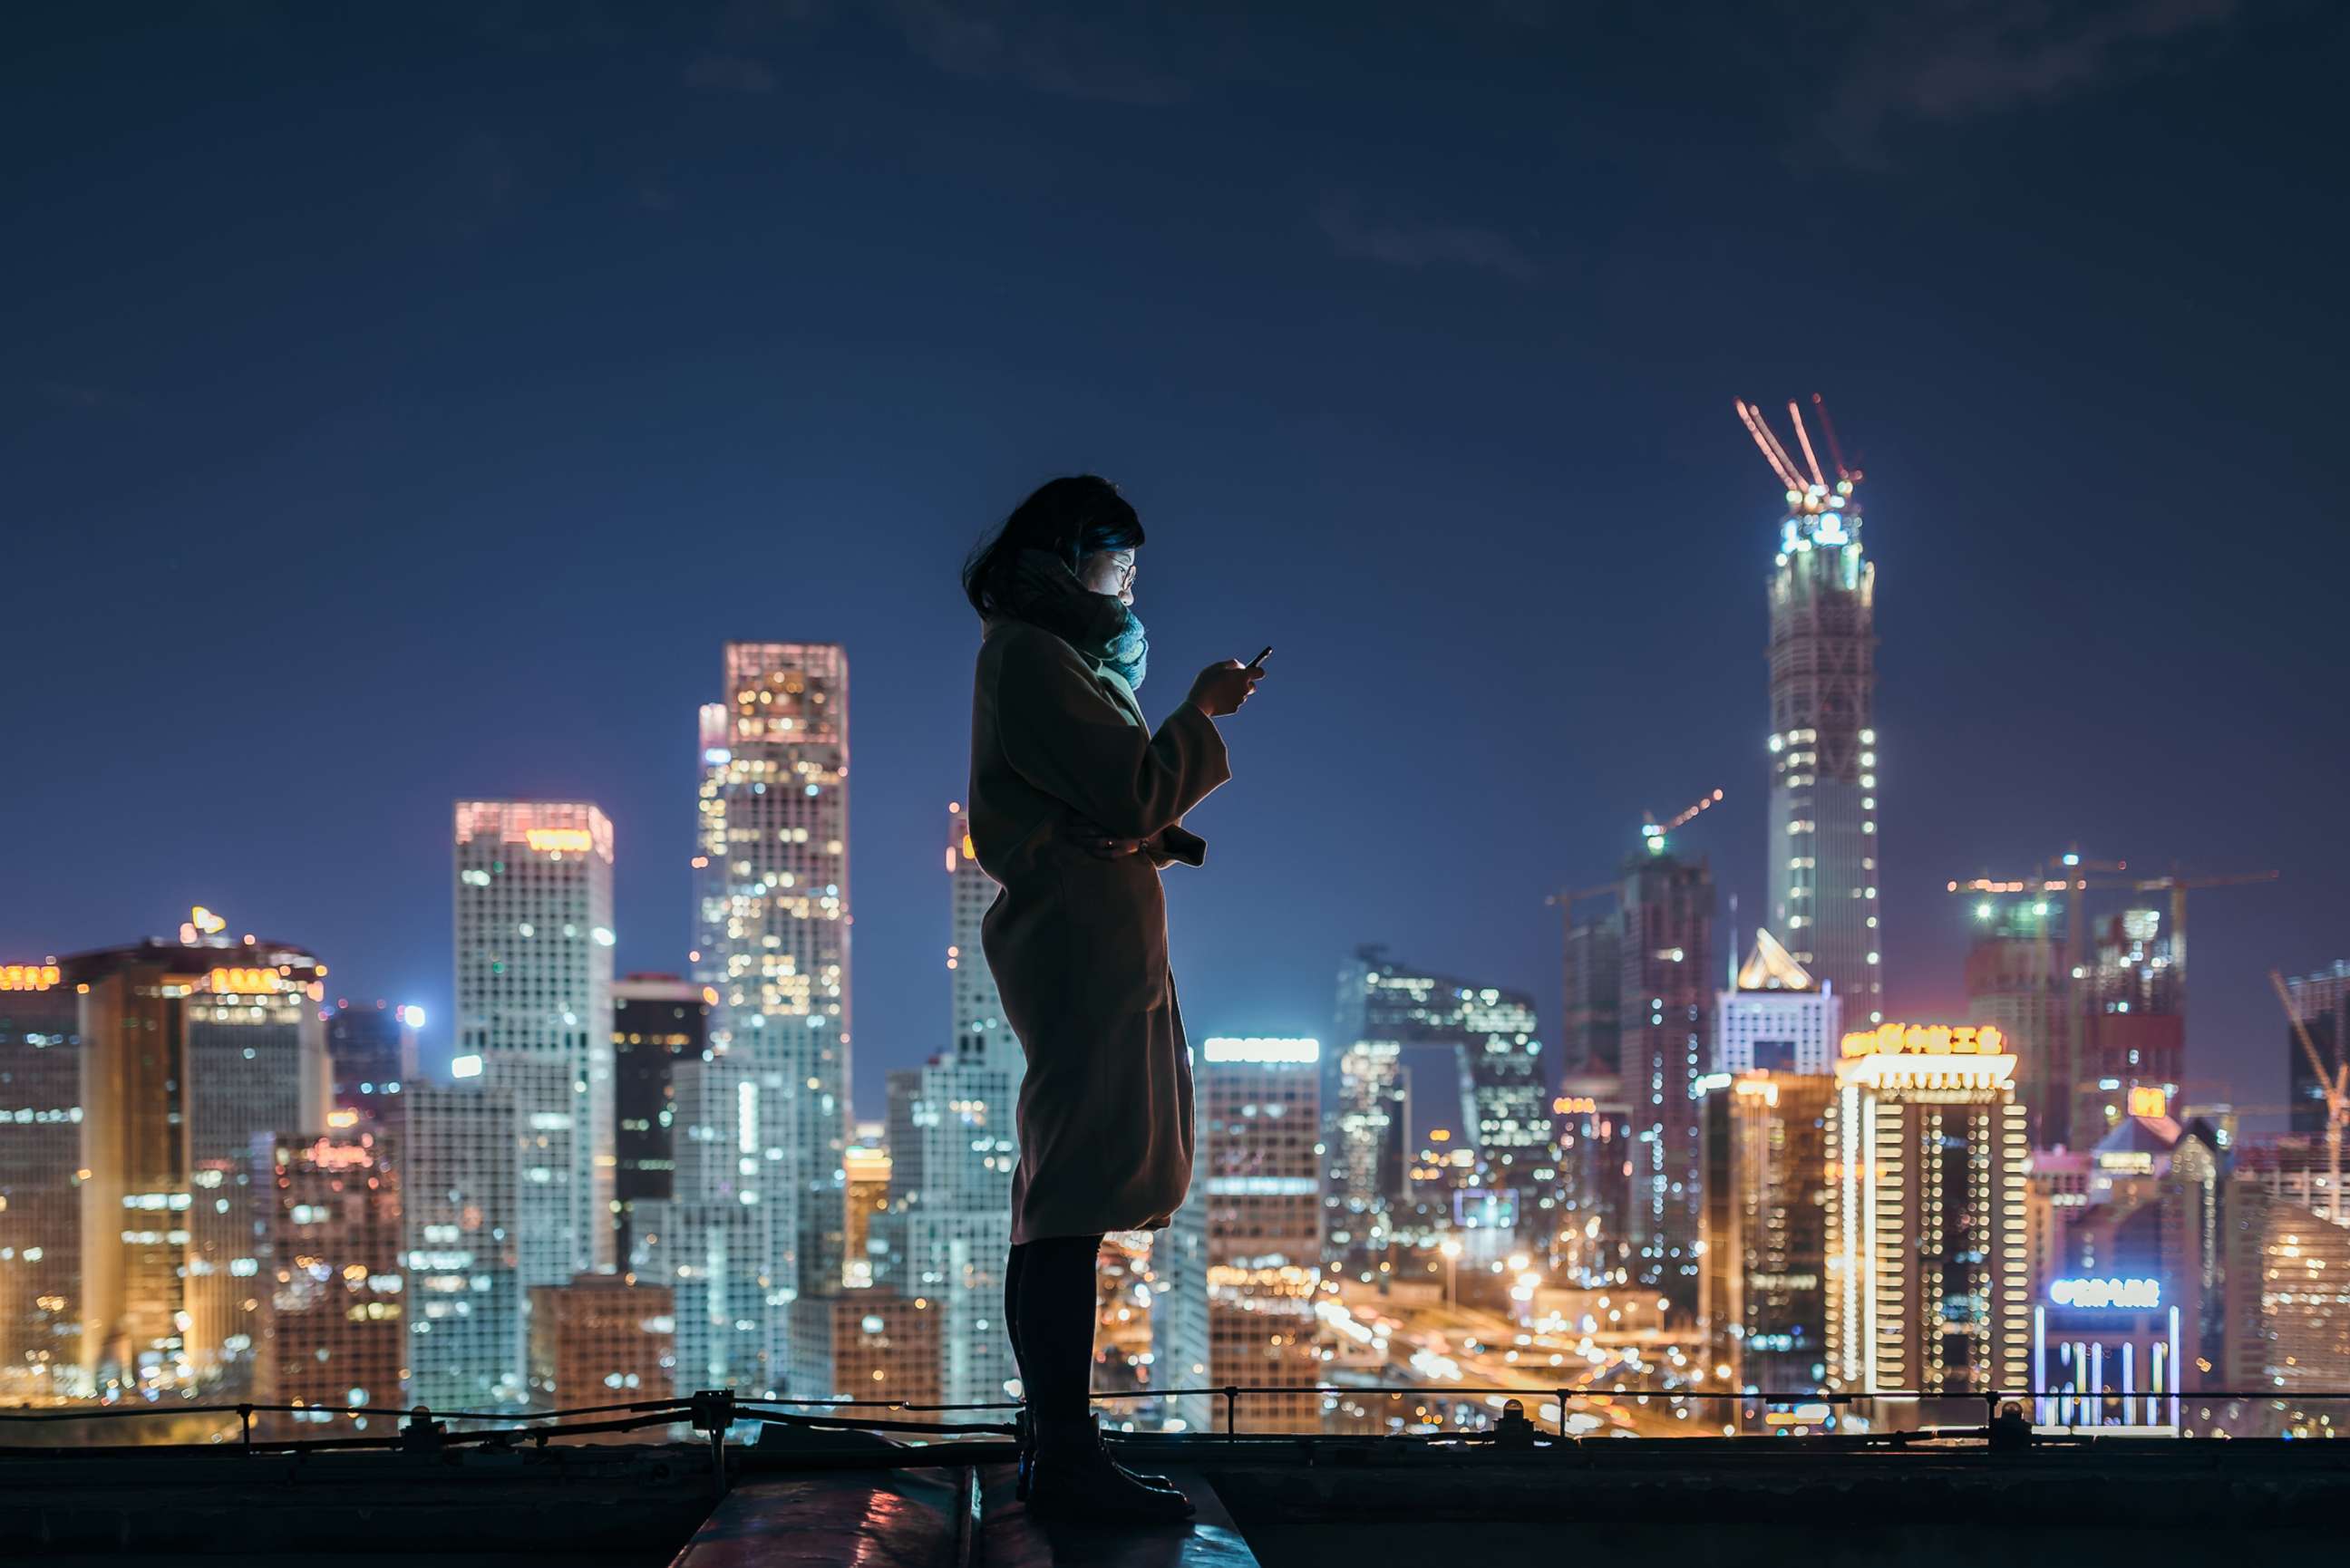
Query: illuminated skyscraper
x,y
461,1244
191,1048
1776,1018
1823,858
1243,1257
867,1345
1928,1282
371,1053
712,1241
600,1339
534,1012
40,1210
2321,1002
1666,1026
330,1219
773,916
1766,1226
978,1006
658,1021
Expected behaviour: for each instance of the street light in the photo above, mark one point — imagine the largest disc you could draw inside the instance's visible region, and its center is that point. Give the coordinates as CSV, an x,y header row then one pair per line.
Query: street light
x,y
1452,1251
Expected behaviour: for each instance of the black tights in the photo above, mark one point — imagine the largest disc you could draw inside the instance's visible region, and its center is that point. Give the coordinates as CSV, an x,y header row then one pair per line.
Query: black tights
x,y
1048,1306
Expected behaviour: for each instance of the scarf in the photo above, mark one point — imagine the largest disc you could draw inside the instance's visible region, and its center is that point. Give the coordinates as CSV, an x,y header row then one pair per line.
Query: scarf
x,y
1042,591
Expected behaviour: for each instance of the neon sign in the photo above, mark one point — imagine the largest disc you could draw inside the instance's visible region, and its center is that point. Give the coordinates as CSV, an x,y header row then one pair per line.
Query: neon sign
x,y
1927,1040
246,981
1263,1051
2135,1295
27,976
575,840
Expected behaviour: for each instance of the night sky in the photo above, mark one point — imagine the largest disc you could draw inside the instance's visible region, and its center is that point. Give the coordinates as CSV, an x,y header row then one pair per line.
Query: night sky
x,y
403,403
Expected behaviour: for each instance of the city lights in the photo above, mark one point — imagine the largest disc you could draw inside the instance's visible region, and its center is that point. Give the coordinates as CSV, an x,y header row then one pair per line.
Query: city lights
x,y
1261,1050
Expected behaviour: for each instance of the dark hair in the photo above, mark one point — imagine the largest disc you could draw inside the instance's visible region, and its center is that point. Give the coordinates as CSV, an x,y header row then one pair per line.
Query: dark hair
x,y
1068,518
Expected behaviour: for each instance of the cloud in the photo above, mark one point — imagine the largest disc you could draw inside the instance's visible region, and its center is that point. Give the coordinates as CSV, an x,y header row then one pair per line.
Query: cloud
x,y
713,72
1957,59
1408,242
1105,52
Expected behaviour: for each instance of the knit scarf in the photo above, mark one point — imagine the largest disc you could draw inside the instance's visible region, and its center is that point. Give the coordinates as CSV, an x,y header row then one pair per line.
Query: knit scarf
x,y
1043,592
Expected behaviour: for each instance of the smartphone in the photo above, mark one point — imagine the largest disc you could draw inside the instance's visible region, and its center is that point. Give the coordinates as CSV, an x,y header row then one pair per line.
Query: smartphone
x,y
1258,663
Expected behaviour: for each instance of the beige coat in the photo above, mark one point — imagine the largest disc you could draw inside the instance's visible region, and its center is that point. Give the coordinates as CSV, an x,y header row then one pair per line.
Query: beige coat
x,y
1078,944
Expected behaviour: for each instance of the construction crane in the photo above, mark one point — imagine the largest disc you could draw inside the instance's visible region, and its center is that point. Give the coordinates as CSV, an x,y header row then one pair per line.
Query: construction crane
x,y
2334,1086
1652,839
1808,483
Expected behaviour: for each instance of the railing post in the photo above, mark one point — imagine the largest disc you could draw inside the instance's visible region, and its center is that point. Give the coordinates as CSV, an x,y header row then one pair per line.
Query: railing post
x,y
1561,1412
1232,1410
244,1418
714,1412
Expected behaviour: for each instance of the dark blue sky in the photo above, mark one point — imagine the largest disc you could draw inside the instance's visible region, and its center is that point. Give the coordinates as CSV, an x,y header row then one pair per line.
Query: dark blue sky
x,y
403,403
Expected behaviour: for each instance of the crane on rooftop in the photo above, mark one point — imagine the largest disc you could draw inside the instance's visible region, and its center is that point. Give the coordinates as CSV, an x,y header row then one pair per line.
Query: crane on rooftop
x,y
1809,483
2335,1086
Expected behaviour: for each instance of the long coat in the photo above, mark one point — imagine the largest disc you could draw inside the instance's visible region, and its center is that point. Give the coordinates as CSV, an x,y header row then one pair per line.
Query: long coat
x,y
1078,944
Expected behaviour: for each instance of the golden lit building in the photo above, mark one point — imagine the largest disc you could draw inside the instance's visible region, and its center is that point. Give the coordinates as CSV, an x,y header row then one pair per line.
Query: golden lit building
x,y
1761,1301
1243,1257
601,1339
1928,1277
336,1323
868,1164
193,1048
40,1207
867,1345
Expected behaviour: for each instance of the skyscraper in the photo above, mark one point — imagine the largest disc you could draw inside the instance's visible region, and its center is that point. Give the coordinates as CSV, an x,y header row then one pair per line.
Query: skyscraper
x,y
1823,856
1245,1253
772,909
712,1241
371,1053
329,1218
978,1006
534,900
1775,1018
1928,1282
1766,1226
461,1245
40,1210
658,1021
600,1338
191,1048
1667,1027
2321,1002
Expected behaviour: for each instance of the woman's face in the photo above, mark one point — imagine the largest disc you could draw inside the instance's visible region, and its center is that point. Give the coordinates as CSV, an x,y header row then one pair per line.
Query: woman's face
x,y
1108,572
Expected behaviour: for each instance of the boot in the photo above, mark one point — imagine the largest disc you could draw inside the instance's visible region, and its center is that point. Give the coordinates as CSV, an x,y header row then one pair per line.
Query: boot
x,y
1023,1427
1074,1477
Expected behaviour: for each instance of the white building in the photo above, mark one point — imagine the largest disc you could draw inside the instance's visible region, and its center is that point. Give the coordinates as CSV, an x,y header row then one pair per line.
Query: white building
x,y
534,1012
1242,1261
978,1005
461,1247
1776,1019
772,910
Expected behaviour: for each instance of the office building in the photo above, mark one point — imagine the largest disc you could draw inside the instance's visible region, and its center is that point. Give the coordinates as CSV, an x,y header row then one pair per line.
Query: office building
x,y
979,1021
192,1047
2134,1031
371,1059
1455,1036
534,907
599,1340
2019,981
772,907
1928,1275
865,1345
947,1227
2321,1002
1762,1305
712,1241
658,1020
1591,1037
40,1206
1776,1018
1244,1252
868,1167
1822,862
337,1300
1667,1023
461,1245
2288,1280
1596,1149
1366,1145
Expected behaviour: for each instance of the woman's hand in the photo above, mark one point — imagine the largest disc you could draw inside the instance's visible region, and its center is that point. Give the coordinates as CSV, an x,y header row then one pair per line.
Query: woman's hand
x,y
1100,842
1222,688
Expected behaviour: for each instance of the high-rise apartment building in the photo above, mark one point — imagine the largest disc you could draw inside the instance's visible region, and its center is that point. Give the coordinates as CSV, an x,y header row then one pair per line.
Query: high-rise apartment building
x,y
1823,856
978,1005
191,1048
461,1245
371,1056
949,1226
2019,981
658,1021
1928,1279
337,1318
2321,1001
1776,1018
534,907
601,1339
772,909
1667,1006
1244,1252
2288,1282
1766,1179
40,1206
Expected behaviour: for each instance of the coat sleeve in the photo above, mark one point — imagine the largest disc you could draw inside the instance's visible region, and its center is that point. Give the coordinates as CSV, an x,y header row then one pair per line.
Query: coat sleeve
x,y
1069,739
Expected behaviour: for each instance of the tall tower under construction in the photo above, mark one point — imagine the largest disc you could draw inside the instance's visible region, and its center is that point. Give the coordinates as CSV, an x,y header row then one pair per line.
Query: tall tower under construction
x,y
1822,854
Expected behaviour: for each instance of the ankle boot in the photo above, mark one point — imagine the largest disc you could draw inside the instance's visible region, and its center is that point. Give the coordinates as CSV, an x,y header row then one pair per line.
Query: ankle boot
x,y
1023,1432
1074,1477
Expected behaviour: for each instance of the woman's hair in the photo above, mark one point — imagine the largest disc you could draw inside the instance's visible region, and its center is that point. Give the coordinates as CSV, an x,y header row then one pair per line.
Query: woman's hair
x,y
1067,518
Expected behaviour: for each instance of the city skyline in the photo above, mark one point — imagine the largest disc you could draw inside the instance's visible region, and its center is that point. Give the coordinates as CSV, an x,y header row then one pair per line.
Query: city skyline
x,y
1294,344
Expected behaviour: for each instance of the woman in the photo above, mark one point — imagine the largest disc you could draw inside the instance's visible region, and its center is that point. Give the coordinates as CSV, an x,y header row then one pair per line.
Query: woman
x,y
1075,808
